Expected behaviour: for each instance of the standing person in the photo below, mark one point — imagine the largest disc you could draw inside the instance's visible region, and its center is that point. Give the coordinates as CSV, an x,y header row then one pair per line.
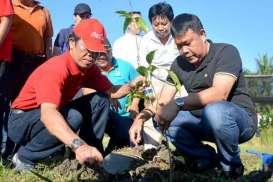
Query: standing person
x,y
127,46
217,109
32,37
119,72
159,39
6,13
44,117
82,11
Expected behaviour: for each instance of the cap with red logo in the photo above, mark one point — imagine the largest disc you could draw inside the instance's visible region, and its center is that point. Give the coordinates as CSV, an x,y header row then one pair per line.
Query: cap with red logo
x,y
92,32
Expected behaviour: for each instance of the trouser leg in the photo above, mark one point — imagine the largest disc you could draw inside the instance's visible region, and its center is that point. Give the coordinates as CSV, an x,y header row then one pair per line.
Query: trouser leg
x,y
118,129
229,124
4,104
186,131
36,141
97,115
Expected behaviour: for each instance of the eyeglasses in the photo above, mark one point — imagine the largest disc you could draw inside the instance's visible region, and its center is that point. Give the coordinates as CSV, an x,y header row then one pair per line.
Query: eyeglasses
x,y
94,55
97,55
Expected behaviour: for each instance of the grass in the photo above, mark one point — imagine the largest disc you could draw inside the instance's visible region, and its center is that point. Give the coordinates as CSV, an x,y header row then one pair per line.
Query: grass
x,y
251,162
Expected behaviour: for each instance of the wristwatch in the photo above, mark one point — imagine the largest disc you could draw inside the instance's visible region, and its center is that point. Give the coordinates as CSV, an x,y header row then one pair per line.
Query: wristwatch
x,y
76,143
180,102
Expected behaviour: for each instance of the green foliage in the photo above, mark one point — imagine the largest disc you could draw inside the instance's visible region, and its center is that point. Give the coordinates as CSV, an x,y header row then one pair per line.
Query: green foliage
x,y
128,19
126,23
262,84
124,14
265,65
147,72
142,71
142,25
266,120
150,57
175,80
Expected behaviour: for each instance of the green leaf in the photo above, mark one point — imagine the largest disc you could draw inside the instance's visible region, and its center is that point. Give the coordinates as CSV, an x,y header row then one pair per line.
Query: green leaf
x,y
130,99
126,23
142,71
139,84
123,13
150,57
140,95
152,68
142,24
175,80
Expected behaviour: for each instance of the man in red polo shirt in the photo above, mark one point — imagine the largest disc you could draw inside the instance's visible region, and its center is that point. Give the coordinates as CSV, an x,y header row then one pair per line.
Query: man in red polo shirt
x,y
44,117
6,13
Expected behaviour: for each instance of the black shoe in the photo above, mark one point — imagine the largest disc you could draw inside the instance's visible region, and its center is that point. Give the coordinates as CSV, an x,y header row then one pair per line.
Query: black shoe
x,y
202,165
235,172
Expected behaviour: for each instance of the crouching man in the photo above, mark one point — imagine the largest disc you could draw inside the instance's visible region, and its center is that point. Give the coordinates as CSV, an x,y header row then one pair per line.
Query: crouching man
x,y
44,117
217,109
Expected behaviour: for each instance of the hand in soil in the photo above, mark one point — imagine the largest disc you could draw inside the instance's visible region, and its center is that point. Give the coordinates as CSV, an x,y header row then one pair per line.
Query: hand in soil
x,y
88,154
135,130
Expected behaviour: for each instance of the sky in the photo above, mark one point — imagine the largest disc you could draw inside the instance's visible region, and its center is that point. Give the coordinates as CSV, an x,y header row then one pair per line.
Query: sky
x,y
247,24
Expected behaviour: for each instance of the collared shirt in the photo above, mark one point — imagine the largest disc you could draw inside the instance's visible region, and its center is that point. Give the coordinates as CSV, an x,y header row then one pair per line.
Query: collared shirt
x,y
6,9
127,48
221,59
121,73
164,55
57,81
31,27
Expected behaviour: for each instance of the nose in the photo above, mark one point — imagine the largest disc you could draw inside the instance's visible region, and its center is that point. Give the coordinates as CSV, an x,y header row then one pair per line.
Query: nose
x,y
184,50
161,28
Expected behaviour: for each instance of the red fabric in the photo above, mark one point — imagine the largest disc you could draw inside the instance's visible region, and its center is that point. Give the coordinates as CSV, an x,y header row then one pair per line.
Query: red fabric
x,y
6,9
92,32
57,81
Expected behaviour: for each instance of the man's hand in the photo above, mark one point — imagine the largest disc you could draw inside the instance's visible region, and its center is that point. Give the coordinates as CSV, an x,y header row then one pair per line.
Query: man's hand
x,y
88,154
135,131
136,83
133,111
137,126
166,113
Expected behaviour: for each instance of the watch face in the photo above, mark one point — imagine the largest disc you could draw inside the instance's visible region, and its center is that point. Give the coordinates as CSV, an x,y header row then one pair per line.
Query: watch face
x,y
179,101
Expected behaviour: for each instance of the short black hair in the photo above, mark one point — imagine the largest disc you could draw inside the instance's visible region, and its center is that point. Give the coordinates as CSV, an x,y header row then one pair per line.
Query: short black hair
x,y
72,35
183,22
161,9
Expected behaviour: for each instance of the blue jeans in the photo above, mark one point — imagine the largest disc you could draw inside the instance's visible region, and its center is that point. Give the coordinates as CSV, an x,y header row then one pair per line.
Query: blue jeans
x,y
87,114
118,129
223,123
4,102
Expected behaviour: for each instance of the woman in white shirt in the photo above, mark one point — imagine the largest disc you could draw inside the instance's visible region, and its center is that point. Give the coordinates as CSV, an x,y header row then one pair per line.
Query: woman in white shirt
x,y
160,39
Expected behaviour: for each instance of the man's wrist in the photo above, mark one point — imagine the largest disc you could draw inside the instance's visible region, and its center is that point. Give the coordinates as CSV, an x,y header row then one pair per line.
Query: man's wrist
x,y
76,143
180,102
149,111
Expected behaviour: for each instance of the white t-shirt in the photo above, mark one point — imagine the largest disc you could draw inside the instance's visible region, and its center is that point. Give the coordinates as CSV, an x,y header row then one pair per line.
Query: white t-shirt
x,y
164,56
127,48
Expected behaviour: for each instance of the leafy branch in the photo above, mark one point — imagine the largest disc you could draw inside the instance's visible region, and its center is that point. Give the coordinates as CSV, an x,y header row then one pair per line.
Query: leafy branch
x,y
128,19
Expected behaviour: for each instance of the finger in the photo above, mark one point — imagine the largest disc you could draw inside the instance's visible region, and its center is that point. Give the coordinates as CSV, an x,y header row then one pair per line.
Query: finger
x,y
99,157
132,137
81,161
138,136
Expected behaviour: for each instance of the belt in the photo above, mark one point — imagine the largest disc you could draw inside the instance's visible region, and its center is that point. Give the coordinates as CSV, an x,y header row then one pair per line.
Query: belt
x,y
17,111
